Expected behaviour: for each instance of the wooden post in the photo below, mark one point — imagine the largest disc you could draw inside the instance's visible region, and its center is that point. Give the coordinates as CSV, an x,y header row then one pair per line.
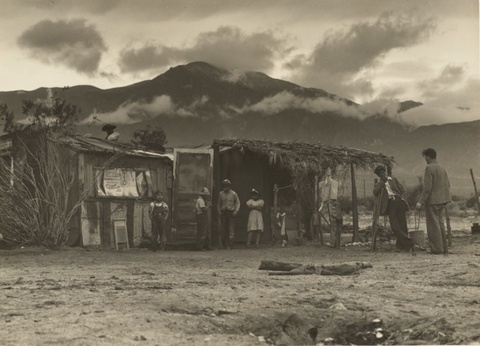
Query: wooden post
x,y
364,191
375,219
475,190
276,232
275,198
215,194
356,237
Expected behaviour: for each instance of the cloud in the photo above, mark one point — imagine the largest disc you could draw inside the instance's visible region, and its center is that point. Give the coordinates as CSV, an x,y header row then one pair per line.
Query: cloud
x,y
448,106
147,58
138,111
342,60
134,112
384,107
387,107
74,44
307,10
286,100
228,47
391,92
233,76
450,76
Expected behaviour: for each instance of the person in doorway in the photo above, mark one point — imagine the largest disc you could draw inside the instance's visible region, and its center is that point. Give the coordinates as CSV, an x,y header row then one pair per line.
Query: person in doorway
x,y
228,206
159,215
255,218
201,207
391,201
435,196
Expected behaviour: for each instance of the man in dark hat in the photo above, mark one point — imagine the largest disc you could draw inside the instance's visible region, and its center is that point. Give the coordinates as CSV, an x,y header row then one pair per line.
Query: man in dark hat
x,y
228,206
110,130
390,200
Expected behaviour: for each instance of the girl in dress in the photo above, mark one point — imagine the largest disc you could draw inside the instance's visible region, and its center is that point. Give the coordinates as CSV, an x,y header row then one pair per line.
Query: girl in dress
x,y
255,218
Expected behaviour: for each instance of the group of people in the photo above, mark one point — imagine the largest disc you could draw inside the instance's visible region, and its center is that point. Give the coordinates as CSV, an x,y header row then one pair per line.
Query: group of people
x,y
228,207
391,200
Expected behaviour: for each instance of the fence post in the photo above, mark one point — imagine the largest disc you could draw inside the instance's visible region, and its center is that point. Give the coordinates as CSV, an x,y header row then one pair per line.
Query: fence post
x,y
355,237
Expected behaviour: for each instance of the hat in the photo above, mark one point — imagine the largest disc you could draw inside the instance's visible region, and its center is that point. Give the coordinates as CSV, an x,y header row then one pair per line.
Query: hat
x,y
379,168
226,182
107,127
255,192
204,191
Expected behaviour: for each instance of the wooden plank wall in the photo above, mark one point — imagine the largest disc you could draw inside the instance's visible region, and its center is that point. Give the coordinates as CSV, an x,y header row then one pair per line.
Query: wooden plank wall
x,y
141,222
91,223
98,213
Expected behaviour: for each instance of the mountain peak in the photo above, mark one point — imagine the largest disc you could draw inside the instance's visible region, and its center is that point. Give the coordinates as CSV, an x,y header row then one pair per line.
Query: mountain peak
x,y
409,104
198,69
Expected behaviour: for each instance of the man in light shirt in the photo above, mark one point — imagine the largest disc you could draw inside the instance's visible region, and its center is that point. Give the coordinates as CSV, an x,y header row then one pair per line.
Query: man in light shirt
x,y
228,206
391,201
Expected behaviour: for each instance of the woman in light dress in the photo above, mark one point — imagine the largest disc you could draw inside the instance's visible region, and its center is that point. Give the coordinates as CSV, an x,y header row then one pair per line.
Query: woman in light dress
x,y
255,218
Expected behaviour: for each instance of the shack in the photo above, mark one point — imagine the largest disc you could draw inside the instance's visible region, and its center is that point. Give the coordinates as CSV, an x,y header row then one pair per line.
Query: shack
x,y
285,173
113,182
118,194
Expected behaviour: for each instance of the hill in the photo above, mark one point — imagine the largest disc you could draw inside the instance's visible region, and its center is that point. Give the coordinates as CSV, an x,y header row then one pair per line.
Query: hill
x,y
198,102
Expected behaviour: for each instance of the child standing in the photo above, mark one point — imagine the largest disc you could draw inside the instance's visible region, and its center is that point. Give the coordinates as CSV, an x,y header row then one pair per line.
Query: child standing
x,y
159,215
255,218
201,207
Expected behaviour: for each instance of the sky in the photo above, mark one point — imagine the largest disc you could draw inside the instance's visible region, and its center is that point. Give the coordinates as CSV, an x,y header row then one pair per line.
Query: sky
x,y
374,52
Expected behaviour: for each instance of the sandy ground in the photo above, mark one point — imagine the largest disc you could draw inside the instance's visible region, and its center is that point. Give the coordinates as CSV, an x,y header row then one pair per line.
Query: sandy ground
x,y
81,297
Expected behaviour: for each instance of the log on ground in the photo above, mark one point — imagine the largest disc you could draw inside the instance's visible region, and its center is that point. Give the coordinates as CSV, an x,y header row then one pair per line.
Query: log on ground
x,y
279,266
348,268
304,270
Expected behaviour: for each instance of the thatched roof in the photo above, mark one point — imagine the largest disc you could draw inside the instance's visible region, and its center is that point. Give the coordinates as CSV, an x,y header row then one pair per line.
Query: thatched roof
x,y
305,158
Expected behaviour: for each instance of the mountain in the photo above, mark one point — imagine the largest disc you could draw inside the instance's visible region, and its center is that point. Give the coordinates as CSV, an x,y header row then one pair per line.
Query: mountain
x,y
198,102
406,105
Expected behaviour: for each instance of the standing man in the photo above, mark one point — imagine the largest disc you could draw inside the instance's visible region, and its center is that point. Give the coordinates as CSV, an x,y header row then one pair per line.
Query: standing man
x,y
228,207
159,215
201,207
435,195
390,200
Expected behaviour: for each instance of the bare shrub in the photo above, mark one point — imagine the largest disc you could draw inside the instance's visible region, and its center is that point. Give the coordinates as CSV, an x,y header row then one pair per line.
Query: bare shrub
x,y
34,196
37,197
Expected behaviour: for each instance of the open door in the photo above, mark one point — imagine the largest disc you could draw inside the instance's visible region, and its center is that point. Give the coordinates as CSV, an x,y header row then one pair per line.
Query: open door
x,y
193,169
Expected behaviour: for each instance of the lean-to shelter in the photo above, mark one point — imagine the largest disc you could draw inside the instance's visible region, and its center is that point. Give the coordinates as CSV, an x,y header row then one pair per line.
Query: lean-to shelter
x,y
284,172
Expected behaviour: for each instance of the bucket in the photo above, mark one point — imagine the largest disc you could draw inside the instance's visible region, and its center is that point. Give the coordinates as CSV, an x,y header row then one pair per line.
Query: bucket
x,y
418,237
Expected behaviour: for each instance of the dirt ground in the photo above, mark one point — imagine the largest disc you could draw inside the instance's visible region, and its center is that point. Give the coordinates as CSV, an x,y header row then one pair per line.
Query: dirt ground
x,y
81,297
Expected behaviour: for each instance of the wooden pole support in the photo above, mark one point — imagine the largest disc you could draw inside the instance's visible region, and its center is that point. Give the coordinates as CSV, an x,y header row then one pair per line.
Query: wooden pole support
x,y
356,236
475,190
